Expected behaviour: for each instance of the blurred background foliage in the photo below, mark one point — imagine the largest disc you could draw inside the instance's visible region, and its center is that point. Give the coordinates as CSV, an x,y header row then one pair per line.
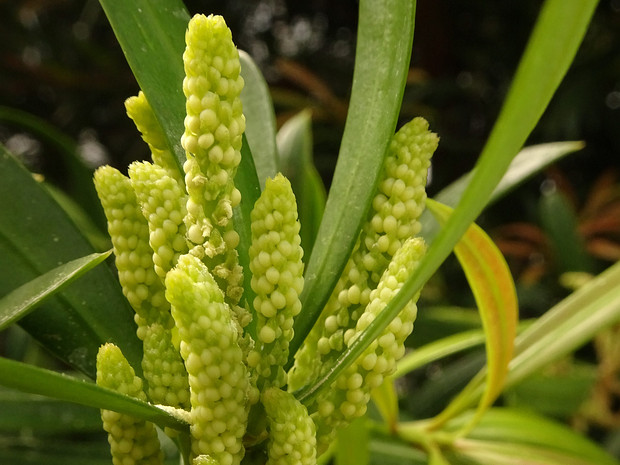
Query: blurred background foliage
x,y
63,81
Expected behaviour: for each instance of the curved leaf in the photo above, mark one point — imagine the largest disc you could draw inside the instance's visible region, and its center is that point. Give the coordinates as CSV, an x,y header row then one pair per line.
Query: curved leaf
x,y
490,280
529,161
36,235
385,35
24,299
260,119
33,380
560,331
568,325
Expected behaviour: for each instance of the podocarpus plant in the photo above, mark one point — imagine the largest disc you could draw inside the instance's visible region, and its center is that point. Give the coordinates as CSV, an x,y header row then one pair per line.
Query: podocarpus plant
x,y
241,355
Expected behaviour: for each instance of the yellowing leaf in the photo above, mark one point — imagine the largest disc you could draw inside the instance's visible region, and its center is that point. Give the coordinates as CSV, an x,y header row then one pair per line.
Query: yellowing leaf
x,y
493,288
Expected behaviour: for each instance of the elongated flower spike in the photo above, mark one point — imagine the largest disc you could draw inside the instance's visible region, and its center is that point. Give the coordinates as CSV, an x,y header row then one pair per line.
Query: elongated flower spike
x,y
129,232
214,126
143,288
349,395
163,205
132,441
292,439
393,218
277,278
140,111
218,378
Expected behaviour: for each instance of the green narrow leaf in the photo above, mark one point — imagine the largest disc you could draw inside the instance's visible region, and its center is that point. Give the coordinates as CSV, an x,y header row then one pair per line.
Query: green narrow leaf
x,y
44,415
99,238
386,400
295,147
387,450
352,446
559,221
568,325
529,161
37,236
33,380
507,453
260,119
25,298
385,35
439,349
550,50
491,282
151,34
552,47
247,183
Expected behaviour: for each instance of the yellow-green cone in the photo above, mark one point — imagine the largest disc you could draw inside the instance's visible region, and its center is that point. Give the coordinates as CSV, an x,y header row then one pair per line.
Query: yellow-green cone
x,y
164,369
277,278
218,378
132,441
129,232
140,111
214,126
292,439
143,288
163,205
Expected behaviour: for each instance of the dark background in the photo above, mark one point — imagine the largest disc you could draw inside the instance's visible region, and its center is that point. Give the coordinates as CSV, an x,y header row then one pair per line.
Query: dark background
x,y
59,60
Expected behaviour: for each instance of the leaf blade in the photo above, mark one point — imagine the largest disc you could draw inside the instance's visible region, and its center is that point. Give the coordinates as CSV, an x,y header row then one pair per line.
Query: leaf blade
x,y
34,380
260,126
24,299
36,235
247,181
529,161
561,330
